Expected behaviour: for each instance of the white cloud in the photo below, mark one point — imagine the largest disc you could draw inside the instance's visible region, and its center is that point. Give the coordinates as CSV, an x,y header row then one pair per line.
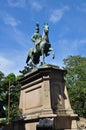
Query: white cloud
x,y
20,37
16,34
5,64
72,47
82,7
12,65
67,47
17,3
57,14
83,41
36,6
10,20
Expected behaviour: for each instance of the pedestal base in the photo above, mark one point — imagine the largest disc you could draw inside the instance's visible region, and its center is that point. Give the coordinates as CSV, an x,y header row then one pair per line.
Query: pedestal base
x,y
44,95
65,123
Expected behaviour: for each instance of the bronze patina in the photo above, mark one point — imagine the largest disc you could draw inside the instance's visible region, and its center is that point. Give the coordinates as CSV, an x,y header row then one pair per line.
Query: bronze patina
x,y
42,46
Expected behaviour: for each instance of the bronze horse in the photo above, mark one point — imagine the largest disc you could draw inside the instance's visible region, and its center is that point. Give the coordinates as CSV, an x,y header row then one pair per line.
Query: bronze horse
x,y
42,49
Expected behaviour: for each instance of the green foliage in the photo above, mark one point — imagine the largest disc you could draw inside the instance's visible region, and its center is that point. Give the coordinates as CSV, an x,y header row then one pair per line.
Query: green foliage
x,y
5,82
2,95
1,75
77,97
76,83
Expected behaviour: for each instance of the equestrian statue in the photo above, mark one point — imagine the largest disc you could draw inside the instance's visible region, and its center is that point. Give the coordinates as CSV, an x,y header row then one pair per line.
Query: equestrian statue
x,y
42,47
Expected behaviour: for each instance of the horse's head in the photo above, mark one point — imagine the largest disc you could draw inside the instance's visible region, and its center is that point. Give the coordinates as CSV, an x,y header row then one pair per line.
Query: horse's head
x,y
46,28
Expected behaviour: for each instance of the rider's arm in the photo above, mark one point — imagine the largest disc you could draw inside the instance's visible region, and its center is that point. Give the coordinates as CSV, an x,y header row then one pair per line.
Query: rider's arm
x,y
33,38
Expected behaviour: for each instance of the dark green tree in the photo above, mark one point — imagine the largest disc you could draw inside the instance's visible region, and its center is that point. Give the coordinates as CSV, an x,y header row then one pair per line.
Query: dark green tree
x,y
76,83
2,95
10,81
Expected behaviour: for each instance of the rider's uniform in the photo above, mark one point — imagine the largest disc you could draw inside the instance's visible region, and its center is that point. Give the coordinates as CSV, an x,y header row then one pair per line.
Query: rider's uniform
x,y
36,38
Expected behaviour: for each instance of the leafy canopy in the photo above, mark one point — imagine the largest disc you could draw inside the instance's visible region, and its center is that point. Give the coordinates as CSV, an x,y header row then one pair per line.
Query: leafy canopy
x,y
76,82
10,79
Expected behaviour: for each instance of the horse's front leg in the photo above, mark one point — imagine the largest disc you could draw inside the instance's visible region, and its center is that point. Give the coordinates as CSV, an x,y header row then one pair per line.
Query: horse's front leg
x,y
28,58
53,54
43,56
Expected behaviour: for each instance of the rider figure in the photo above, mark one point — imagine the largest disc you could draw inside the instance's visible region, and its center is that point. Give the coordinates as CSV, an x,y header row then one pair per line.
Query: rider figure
x,y
36,37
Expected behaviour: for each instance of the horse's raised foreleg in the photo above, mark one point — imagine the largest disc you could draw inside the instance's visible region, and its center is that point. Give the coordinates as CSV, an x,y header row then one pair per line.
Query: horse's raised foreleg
x,y
53,54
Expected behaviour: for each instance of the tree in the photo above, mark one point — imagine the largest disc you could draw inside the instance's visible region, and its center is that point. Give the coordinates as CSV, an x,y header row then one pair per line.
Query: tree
x,y
2,95
76,83
10,79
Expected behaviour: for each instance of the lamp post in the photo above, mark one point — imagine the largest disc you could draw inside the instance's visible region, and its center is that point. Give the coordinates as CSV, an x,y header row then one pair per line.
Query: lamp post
x,y
8,103
9,93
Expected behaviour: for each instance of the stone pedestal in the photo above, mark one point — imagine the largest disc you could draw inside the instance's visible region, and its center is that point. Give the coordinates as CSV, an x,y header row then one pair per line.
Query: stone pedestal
x,y
44,95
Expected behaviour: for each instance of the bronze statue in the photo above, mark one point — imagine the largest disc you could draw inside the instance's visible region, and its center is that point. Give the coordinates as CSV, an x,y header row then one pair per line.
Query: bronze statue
x,y
36,37
42,46
25,70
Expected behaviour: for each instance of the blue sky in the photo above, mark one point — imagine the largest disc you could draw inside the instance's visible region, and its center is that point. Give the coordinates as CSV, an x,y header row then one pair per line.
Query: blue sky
x,y
67,30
